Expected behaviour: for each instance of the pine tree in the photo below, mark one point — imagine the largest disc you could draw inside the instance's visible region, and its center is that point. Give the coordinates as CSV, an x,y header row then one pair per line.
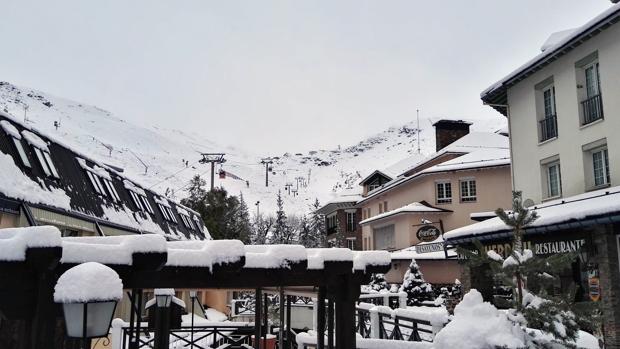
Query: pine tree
x,y
281,230
340,239
196,200
305,234
535,307
317,226
417,289
241,222
261,227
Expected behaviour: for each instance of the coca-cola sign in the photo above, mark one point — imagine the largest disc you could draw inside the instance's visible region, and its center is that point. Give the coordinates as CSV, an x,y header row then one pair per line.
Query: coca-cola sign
x,y
428,233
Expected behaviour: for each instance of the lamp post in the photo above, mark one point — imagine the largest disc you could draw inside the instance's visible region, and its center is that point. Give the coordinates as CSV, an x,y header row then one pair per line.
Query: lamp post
x,y
192,296
88,306
163,299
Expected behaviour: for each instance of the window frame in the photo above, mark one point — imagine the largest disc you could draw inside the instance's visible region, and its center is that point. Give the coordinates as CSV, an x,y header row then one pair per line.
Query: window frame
x,y
594,65
552,103
351,243
443,200
21,151
39,155
351,221
606,175
548,167
468,197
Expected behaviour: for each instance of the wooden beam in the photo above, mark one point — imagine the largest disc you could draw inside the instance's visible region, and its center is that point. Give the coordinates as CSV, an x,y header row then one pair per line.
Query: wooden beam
x,y
257,317
320,321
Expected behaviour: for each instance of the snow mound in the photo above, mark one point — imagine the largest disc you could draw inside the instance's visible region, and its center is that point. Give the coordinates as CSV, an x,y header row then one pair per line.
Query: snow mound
x,y
15,241
110,249
88,282
478,324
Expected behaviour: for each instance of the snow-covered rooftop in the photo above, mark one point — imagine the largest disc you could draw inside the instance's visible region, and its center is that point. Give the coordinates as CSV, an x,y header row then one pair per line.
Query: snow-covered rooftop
x,y
15,241
589,205
555,45
414,207
479,149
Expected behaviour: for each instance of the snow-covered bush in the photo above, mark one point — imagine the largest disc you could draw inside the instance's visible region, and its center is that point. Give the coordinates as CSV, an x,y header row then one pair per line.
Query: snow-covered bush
x,y
478,324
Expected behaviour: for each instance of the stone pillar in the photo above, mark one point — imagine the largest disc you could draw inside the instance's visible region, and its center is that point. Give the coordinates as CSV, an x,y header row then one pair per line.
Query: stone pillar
x,y
607,258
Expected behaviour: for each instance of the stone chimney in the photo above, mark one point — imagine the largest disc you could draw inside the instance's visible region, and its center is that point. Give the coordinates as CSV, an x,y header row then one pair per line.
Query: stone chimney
x,y
449,131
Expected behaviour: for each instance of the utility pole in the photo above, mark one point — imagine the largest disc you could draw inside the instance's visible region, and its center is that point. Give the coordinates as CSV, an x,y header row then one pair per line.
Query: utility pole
x,y
288,186
212,158
417,111
266,162
257,209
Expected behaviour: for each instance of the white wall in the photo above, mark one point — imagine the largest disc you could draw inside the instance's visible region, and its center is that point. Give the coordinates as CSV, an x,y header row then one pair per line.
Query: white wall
x,y
527,152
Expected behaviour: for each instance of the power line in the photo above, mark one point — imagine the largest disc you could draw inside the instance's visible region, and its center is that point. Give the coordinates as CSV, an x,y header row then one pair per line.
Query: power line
x,y
173,175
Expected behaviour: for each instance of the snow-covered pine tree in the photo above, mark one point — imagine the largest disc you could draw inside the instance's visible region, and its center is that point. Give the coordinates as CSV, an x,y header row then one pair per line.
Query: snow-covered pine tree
x,y
261,227
417,289
339,234
317,226
281,230
197,198
305,235
241,220
535,307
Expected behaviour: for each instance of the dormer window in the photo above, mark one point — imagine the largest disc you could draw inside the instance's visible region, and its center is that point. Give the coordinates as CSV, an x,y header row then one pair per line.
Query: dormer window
x,y
42,152
138,196
16,138
100,180
185,218
166,210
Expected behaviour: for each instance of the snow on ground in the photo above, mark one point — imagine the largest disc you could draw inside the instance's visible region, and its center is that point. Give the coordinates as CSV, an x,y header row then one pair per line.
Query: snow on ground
x,y
165,152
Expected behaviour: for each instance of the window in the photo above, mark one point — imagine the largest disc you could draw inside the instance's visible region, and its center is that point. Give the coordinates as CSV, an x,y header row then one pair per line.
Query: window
x,y
198,222
600,166
42,153
351,244
554,182
94,180
186,221
548,124
146,204
384,238
385,207
16,137
164,212
136,200
592,105
468,190
380,207
350,221
444,193
111,190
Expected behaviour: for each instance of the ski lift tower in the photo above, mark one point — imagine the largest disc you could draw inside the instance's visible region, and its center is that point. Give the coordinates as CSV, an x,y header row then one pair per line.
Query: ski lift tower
x,y
212,158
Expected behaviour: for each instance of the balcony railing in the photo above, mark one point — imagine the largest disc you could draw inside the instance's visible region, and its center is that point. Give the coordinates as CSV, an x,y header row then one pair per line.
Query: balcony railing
x,y
548,128
592,109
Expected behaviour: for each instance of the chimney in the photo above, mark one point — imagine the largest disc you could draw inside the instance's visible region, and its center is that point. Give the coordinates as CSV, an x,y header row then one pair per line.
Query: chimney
x,y
449,131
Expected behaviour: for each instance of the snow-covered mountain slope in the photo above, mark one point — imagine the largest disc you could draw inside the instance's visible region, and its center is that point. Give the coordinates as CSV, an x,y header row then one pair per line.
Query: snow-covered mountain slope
x,y
166,159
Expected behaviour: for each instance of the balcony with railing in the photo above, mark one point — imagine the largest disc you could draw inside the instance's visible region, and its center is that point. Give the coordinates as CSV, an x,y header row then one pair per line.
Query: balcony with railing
x,y
592,109
548,127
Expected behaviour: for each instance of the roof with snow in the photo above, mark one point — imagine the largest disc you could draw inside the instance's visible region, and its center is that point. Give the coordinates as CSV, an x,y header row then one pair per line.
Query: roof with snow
x,y
600,206
414,207
346,198
43,173
473,151
556,46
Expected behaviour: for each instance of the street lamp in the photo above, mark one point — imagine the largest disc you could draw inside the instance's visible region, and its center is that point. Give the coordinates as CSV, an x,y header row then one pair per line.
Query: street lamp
x,y
163,299
89,293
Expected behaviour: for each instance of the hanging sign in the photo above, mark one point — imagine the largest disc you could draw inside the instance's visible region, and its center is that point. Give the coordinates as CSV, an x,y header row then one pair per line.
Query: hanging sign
x,y
427,248
428,233
594,285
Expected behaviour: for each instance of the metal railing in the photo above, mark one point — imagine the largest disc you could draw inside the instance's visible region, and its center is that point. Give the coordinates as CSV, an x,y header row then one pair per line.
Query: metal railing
x,y
548,127
592,109
199,337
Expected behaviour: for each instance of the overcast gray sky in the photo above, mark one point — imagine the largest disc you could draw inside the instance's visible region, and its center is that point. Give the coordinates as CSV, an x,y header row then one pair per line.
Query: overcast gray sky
x,y
274,76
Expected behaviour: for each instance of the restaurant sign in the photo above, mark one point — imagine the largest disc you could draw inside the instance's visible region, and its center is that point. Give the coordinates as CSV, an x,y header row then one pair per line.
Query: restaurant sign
x,y
427,248
540,248
428,233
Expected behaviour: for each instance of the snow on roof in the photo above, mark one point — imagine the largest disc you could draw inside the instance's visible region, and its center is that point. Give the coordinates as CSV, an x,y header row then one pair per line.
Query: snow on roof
x,y
203,253
485,149
403,165
414,207
98,170
10,129
15,241
129,185
555,38
364,259
88,282
318,256
557,45
34,140
15,184
273,256
110,249
559,211
162,201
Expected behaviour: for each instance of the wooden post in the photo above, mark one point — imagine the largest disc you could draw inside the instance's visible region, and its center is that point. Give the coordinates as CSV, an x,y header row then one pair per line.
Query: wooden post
x,y
330,322
346,295
265,317
282,305
258,296
320,321
288,323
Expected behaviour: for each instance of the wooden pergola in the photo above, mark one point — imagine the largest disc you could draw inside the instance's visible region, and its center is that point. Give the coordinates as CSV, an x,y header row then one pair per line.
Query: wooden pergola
x,y
27,287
